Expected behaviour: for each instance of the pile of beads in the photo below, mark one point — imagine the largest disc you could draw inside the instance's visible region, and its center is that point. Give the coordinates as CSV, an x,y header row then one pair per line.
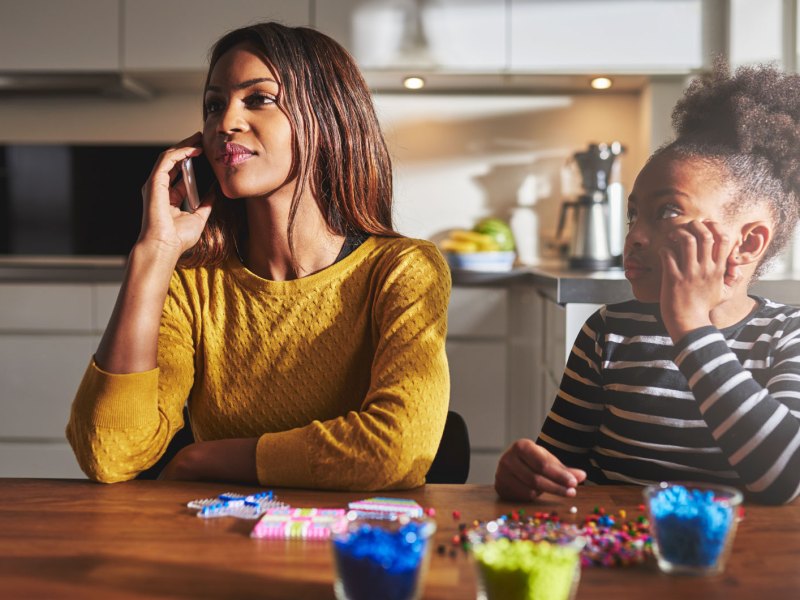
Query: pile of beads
x,y
691,526
611,540
376,561
230,504
526,569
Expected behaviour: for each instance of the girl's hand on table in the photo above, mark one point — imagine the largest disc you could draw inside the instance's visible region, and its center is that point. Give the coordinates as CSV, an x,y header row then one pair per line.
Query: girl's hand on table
x,y
695,276
527,470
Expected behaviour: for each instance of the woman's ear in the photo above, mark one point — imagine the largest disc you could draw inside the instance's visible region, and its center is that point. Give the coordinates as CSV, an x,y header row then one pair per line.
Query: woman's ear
x,y
753,242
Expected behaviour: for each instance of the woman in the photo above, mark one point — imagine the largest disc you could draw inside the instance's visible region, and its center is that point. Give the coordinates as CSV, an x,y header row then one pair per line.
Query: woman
x,y
307,336
696,379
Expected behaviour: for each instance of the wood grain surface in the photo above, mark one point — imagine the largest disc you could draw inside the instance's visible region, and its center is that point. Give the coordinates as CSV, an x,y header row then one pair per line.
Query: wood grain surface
x,y
76,539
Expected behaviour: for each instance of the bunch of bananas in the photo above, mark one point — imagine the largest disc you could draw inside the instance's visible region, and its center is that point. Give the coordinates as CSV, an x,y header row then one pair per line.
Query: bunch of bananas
x,y
461,241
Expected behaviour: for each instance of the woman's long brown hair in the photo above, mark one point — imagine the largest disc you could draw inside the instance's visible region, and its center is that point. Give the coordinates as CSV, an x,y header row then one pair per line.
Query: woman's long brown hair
x,y
337,144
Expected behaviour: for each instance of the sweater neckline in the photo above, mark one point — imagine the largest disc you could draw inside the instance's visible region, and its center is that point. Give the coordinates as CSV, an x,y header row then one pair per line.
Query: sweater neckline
x,y
249,279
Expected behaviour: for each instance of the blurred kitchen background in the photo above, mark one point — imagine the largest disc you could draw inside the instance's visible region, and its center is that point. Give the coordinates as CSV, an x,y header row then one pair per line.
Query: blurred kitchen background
x,y
92,90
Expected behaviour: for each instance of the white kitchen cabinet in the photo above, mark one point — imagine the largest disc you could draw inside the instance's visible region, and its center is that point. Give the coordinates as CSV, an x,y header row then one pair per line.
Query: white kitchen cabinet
x,y
607,37
48,332
177,35
53,35
461,35
492,344
756,31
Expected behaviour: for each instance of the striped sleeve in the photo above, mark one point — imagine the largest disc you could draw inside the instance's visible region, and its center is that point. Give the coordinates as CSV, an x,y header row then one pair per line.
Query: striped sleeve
x,y
570,428
753,424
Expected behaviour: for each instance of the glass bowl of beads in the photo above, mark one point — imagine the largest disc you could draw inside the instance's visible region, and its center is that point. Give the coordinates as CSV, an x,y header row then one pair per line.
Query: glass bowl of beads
x,y
523,567
692,525
381,558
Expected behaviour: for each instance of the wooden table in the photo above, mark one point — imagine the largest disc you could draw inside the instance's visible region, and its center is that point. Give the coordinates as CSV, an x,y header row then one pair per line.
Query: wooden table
x,y
76,539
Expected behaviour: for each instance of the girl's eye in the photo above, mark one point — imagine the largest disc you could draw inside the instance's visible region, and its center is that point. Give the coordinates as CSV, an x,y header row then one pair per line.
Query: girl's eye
x,y
259,99
669,212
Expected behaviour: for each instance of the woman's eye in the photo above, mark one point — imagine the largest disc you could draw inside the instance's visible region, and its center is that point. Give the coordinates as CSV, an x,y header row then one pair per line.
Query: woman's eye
x,y
213,106
631,219
256,100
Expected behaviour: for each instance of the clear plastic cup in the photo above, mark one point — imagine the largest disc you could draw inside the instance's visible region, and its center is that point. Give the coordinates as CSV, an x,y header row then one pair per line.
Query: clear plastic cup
x,y
382,558
528,570
692,525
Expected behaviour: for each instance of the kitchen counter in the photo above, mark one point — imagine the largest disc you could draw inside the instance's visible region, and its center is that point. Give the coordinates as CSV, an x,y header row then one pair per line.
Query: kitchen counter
x,y
61,269
562,285
553,279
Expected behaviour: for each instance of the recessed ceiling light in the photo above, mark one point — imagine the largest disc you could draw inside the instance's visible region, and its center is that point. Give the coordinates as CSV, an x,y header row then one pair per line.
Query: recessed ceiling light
x,y
601,83
414,83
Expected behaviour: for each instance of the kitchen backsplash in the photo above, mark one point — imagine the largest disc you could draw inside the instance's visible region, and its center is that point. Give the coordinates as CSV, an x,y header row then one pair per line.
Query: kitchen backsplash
x,y
457,157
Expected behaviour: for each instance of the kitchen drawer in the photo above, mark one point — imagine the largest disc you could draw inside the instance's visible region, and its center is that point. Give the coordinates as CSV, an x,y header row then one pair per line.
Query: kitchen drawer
x,y
33,459
478,390
40,375
478,312
45,307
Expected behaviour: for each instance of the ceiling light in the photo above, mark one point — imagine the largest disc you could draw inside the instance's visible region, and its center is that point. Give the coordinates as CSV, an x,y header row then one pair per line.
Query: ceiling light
x,y
601,83
413,83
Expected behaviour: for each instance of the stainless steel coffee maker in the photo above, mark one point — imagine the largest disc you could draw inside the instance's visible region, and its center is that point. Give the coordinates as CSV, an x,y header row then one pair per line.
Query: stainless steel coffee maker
x,y
593,243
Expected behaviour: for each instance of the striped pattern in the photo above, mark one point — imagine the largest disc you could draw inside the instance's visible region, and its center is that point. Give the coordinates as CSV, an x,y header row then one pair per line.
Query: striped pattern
x,y
720,406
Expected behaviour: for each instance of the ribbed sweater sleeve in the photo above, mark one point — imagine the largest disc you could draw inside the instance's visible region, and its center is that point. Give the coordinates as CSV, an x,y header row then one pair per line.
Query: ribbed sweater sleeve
x,y
570,428
753,424
391,441
121,424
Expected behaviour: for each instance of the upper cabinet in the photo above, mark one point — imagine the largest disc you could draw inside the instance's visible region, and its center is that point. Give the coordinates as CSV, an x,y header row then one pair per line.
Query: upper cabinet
x,y
449,35
177,35
608,36
758,33
53,35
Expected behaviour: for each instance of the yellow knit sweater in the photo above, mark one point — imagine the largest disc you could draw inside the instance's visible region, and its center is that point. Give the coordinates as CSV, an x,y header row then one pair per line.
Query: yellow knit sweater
x,y
342,375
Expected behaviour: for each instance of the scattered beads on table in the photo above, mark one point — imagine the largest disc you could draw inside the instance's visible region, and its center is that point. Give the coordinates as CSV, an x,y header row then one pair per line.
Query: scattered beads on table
x,y
611,540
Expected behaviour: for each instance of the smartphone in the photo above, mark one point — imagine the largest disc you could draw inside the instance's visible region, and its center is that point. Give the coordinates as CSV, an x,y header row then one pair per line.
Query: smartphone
x,y
190,181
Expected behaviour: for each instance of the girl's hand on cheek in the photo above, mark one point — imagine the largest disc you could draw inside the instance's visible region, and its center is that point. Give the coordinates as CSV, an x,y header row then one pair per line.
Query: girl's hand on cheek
x,y
693,275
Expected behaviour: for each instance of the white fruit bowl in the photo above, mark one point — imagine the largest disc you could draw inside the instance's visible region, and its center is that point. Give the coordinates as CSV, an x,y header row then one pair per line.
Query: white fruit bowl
x,y
481,261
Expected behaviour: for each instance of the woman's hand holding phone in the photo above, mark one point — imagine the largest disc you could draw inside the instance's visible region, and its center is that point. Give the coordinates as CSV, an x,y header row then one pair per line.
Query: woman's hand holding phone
x,y
164,192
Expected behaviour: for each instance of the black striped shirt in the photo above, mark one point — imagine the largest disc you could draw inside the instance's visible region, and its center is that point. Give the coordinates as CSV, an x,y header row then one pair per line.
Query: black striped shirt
x,y
721,406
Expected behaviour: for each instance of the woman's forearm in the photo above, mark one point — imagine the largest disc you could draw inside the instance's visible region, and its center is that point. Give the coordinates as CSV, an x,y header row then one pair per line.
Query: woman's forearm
x,y
130,341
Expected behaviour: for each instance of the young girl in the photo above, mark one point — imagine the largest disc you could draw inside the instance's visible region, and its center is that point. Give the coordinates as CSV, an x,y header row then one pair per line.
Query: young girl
x,y
307,336
695,379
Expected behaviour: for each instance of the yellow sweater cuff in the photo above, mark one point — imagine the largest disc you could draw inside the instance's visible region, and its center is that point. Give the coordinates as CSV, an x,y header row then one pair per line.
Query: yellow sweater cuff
x,y
117,401
277,460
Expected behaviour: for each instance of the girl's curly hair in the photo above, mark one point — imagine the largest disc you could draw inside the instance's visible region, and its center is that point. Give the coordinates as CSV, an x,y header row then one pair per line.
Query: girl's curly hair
x,y
748,122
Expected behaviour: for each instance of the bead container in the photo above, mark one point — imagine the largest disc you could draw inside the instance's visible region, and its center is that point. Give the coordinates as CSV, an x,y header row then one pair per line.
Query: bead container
x,y
692,525
527,570
380,558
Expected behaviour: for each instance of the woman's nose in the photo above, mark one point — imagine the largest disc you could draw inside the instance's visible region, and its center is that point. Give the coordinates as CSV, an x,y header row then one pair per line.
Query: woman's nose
x,y
231,119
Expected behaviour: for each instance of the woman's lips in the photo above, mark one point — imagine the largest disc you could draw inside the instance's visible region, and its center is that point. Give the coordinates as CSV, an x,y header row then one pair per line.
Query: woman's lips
x,y
234,154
